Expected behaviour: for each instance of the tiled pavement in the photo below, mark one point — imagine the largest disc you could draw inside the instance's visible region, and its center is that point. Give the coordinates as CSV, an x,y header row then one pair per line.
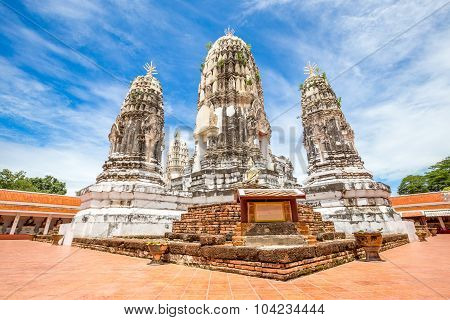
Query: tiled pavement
x,y
34,270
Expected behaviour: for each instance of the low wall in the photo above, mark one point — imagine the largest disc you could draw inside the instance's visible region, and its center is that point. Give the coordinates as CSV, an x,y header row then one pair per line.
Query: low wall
x,y
16,237
128,247
279,263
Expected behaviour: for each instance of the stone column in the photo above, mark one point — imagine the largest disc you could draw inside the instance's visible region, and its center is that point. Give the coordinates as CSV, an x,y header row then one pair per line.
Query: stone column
x,y
47,225
15,223
441,222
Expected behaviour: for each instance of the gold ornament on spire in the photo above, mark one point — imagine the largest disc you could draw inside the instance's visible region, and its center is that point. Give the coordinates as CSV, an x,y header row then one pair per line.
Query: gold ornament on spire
x,y
229,31
311,69
150,68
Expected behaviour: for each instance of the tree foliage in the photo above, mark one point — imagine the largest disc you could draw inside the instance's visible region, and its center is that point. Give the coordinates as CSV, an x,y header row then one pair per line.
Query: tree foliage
x,y
19,181
412,184
437,178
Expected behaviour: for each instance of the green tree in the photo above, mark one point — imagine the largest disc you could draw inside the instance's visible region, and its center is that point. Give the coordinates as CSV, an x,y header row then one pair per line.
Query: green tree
x,y
413,184
438,176
15,181
19,181
49,184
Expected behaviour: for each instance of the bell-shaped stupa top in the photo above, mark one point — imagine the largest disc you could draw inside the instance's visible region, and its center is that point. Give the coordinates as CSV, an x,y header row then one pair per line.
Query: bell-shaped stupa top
x,y
137,135
317,92
328,137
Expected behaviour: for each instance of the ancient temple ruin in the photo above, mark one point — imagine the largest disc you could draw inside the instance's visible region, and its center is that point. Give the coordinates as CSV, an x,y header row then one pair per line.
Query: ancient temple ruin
x,y
338,186
134,195
232,137
136,137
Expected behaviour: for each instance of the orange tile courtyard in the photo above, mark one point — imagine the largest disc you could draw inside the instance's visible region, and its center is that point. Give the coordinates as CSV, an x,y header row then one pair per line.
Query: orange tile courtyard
x,y
34,270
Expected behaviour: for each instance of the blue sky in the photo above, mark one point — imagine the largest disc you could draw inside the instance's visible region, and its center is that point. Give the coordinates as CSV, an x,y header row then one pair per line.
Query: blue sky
x,y
65,67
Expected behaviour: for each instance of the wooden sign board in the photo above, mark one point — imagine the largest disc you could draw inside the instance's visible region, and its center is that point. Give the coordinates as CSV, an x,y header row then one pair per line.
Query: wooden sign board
x,y
268,205
269,211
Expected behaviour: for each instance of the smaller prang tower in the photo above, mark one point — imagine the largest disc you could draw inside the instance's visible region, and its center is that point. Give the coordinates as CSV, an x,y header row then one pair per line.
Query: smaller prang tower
x,y
137,135
338,185
177,157
130,196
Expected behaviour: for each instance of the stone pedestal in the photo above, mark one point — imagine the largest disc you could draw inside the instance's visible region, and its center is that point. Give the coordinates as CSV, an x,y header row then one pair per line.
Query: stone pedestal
x,y
114,208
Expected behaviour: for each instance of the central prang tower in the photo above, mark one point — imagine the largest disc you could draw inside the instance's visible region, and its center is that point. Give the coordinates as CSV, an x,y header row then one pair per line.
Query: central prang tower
x,y
231,125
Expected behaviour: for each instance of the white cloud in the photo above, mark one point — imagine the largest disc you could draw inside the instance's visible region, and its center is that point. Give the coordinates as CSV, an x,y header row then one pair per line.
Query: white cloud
x,y
39,105
397,100
61,139
75,164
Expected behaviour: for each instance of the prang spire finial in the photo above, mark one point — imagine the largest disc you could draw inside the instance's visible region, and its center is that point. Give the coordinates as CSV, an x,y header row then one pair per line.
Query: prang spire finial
x,y
311,69
150,68
229,31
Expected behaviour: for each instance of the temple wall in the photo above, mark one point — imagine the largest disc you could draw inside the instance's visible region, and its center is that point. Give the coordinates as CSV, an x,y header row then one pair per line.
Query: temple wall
x,y
353,219
109,222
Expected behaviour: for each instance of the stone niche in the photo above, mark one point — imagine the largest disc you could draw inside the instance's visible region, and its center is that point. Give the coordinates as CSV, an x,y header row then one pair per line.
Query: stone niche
x,y
268,217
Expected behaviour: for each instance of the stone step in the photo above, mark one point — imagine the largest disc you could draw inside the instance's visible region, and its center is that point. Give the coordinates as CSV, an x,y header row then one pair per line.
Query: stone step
x,y
274,240
310,239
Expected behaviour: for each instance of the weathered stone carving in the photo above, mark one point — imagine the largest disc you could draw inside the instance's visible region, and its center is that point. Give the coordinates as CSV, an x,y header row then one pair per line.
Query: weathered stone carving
x,y
338,185
177,158
231,125
137,135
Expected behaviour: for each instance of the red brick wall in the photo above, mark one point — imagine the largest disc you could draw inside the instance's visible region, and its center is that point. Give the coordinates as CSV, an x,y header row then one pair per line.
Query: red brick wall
x,y
313,220
223,218
210,219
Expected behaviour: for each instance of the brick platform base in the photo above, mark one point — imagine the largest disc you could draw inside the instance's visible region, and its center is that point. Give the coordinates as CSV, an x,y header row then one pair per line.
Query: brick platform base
x,y
278,263
205,234
224,219
210,219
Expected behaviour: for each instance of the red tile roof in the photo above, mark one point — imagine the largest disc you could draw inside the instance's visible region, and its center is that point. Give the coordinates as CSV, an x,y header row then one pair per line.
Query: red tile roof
x,y
412,214
430,197
41,198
